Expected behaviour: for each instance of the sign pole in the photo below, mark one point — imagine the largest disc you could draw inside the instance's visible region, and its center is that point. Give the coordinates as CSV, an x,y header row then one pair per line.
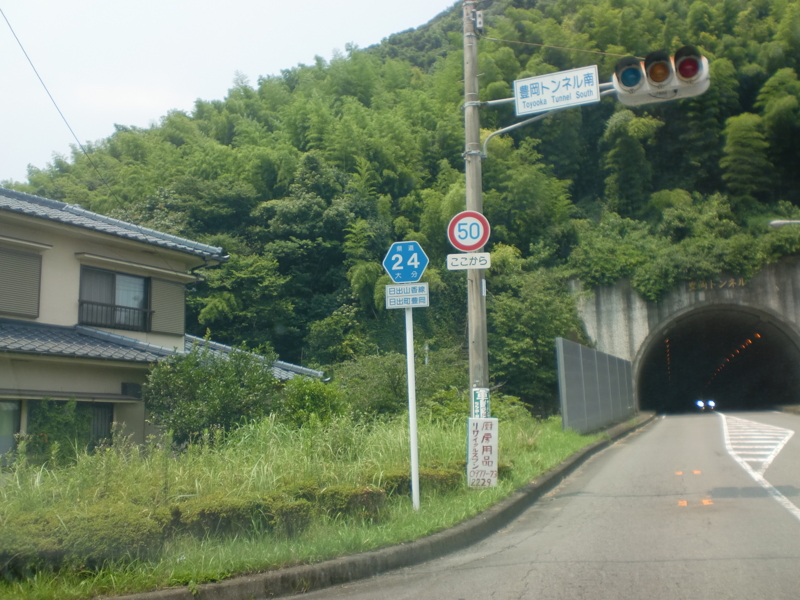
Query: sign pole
x,y
405,263
476,287
412,408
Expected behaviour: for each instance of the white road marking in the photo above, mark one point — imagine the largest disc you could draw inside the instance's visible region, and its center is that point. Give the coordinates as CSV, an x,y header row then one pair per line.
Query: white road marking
x,y
737,448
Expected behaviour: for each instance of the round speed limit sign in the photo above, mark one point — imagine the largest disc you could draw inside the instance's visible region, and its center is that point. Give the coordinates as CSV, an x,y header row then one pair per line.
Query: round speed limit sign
x,y
468,231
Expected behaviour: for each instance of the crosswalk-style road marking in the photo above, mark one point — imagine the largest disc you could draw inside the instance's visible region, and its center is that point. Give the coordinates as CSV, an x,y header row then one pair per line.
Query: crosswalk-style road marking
x,y
755,443
754,446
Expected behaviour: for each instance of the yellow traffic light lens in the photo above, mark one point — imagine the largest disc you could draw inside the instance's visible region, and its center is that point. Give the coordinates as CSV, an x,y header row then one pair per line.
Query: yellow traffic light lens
x,y
659,72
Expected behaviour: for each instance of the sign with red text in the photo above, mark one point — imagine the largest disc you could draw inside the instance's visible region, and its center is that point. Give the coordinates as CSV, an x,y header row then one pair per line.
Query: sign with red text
x,y
482,446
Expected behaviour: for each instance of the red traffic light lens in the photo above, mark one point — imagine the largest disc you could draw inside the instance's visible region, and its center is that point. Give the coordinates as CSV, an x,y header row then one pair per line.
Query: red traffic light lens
x,y
689,67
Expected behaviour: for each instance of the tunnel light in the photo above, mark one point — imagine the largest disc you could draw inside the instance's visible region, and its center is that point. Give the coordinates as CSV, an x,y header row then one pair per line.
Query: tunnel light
x,y
758,335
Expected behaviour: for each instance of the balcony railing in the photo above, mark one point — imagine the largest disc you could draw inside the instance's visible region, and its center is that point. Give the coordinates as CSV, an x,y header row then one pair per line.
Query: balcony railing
x,y
113,316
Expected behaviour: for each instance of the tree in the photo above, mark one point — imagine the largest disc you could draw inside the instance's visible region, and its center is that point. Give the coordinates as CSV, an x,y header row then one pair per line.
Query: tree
x,y
746,169
629,171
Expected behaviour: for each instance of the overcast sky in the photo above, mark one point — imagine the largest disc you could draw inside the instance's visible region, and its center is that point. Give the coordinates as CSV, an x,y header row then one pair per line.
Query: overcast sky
x,y
131,61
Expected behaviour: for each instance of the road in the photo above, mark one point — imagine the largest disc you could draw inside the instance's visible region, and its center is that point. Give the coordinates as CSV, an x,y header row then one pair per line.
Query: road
x,y
677,510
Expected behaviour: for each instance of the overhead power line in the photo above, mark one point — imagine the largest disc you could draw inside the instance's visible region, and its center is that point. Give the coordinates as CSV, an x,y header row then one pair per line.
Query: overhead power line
x,y
53,100
556,47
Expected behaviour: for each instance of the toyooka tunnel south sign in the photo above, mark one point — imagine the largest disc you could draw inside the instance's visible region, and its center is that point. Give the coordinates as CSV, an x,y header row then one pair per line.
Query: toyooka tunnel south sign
x,y
556,90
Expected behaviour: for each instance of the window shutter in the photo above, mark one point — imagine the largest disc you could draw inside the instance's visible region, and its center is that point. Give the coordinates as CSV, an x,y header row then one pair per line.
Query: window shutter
x,y
168,302
20,277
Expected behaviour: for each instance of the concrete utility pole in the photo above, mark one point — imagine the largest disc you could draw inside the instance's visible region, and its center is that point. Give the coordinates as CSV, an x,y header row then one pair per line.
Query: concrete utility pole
x,y
476,287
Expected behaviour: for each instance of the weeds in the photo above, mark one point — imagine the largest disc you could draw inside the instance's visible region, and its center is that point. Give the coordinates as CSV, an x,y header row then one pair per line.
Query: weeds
x,y
266,457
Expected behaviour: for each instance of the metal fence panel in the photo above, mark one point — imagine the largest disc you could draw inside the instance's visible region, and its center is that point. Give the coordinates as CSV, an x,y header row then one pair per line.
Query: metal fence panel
x,y
595,389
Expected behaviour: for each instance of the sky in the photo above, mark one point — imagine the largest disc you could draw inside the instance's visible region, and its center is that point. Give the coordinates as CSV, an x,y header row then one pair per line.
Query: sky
x,y
129,62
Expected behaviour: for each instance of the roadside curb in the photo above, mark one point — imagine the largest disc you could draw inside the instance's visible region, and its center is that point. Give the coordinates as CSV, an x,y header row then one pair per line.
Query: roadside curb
x,y
304,578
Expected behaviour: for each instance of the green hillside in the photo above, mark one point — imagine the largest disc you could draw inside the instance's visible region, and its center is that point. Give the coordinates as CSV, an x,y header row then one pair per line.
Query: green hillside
x,y
307,177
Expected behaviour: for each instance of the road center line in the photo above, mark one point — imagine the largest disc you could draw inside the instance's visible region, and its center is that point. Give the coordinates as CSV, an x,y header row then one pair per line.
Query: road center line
x,y
758,476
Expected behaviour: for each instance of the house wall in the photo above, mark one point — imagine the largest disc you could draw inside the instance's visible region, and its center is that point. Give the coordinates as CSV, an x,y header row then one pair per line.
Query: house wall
x,y
64,376
32,379
71,247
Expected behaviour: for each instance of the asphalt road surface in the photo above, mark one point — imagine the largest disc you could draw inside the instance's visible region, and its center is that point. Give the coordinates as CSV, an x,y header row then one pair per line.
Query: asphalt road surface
x,y
692,506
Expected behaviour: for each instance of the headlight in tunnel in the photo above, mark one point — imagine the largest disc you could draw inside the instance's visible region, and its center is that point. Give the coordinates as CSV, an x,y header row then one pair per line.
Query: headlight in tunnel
x,y
700,404
711,404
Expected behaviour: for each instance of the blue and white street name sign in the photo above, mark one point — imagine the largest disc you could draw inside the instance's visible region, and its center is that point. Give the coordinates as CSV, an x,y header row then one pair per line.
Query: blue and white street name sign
x,y
407,296
556,90
405,262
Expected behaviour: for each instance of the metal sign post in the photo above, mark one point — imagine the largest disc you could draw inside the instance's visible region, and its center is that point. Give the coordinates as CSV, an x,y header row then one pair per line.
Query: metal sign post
x,y
405,263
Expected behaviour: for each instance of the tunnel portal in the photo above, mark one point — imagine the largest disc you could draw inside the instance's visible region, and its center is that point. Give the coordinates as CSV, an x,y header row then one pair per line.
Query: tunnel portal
x,y
738,358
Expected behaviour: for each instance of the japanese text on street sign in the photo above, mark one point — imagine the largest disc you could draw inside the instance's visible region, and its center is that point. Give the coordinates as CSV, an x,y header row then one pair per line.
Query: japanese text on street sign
x,y
556,90
473,260
480,403
482,443
407,296
405,262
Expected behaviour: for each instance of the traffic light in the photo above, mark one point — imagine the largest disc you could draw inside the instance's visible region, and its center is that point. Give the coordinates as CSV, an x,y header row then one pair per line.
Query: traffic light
x,y
661,77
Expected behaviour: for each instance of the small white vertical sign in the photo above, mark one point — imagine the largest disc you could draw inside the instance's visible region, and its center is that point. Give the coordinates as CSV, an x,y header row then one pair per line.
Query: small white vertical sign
x,y
480,403
482,451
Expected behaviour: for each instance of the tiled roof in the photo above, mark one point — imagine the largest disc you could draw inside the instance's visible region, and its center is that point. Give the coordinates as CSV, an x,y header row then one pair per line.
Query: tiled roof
x,y
71,214
74,342
79,341
281,370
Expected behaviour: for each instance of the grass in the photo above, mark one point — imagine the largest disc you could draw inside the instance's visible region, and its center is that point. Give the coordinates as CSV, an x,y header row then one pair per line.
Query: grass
x,y
266,457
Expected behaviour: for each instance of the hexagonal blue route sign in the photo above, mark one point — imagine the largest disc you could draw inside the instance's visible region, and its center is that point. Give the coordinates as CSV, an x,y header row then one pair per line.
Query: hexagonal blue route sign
x,y
405,262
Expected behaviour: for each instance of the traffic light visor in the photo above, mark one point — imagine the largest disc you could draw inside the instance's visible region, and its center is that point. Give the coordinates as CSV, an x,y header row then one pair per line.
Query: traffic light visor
x,y
688,63
658,67
629,72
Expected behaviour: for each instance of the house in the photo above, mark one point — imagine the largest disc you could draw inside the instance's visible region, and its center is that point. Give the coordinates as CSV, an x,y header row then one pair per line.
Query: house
x,y
87,304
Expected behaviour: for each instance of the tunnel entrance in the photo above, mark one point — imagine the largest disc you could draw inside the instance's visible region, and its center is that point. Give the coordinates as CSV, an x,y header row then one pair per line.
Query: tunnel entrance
x,y
741,359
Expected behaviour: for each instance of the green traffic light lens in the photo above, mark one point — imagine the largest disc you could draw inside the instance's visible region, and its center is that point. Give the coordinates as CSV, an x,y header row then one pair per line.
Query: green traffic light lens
x,y
631,76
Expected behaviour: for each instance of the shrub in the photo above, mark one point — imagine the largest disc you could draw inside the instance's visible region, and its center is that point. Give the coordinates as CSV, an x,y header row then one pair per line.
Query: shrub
x,y
29,542
223,514
376,385
342,500
304,400
204,389
440,479
290,517
107,532
57,424
220,514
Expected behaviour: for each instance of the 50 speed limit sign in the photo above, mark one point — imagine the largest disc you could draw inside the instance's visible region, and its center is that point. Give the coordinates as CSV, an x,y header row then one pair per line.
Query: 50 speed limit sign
x,y
468,231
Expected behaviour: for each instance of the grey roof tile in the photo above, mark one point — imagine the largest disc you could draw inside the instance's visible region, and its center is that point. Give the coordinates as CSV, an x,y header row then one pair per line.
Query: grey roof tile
x,y
79,341
281,370
74,342
71,214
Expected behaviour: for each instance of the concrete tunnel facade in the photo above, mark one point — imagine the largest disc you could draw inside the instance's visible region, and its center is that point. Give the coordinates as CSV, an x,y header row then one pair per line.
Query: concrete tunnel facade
x,y
734,341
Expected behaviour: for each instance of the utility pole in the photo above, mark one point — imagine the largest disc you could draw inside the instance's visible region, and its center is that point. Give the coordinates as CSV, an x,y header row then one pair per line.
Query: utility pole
x,y
476,286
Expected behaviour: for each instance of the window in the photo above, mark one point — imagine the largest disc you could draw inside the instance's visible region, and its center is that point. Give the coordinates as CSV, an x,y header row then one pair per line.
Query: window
x,y
20,274
9,425
114,300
